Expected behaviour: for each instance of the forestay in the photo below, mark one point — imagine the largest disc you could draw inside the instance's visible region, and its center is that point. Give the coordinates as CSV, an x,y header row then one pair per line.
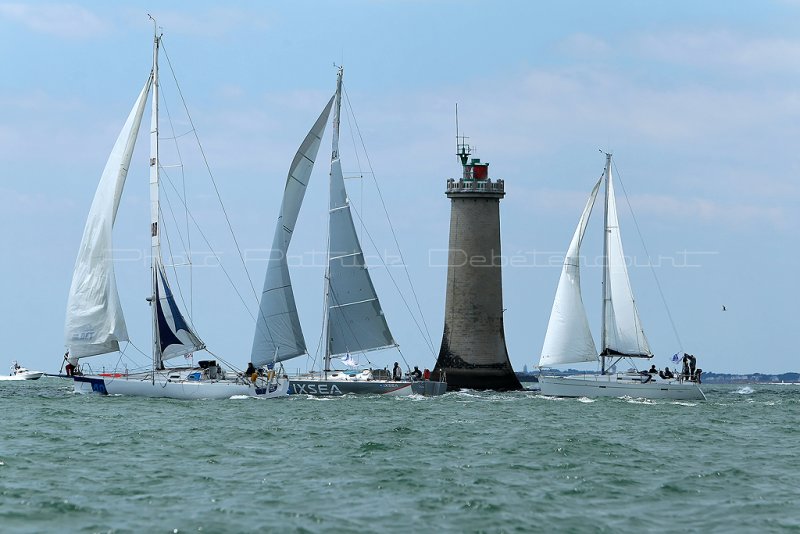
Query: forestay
x,y
94,322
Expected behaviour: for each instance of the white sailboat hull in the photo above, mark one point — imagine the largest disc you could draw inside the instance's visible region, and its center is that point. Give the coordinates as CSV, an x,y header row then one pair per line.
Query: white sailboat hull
x,y
618,385
164,387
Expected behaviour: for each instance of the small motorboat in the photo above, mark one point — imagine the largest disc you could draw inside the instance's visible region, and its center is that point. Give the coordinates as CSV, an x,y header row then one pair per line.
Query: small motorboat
x,y
21,373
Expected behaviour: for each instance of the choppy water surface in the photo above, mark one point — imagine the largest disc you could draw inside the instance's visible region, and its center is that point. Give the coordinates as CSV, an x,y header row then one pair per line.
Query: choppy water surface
x,y
464,462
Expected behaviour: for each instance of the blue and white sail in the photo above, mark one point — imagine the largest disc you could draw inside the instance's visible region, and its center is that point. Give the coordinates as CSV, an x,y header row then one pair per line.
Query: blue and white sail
x,y
355,320
94,321
175,336
279,335
568,338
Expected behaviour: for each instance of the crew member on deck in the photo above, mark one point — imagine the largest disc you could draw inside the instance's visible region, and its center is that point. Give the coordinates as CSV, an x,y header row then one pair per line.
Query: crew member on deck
x,y
251,372
666,374
416,374
653,370
397,373
69,368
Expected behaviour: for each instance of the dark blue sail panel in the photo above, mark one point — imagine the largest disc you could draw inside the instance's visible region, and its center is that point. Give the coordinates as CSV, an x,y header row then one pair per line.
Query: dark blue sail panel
x,y
175,336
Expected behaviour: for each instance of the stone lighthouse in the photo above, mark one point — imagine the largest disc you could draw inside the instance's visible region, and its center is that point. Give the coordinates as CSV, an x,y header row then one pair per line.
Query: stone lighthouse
x,y
473,353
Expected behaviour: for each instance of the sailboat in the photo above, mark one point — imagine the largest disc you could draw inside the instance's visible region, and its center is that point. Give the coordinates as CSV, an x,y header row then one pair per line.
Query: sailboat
x,y
569,339
95,323
354,322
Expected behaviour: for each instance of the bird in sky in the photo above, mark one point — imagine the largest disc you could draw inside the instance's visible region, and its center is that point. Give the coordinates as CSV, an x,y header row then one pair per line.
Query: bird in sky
x,y
724,308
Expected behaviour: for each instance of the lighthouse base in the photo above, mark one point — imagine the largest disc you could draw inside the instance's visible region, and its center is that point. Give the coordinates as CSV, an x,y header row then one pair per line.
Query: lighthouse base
x,y
463,375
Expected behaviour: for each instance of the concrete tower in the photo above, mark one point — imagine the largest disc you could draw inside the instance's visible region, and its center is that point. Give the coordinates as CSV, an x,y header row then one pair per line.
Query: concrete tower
x,y
473,353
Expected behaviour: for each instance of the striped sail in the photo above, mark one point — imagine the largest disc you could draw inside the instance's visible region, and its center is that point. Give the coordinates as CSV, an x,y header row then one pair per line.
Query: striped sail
x,y
279,335
355,318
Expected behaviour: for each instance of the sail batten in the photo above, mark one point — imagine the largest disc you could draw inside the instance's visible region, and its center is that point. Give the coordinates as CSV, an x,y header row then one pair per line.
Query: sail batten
x,y
279,335
351,303
568,338
95,323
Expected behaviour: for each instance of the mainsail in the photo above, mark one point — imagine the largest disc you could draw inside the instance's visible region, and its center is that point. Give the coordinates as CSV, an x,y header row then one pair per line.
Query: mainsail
x,y
355,321
279,335
94,322
568,338
622,328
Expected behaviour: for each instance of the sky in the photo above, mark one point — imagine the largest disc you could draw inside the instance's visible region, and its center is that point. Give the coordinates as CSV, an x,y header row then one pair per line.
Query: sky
x,y
698,101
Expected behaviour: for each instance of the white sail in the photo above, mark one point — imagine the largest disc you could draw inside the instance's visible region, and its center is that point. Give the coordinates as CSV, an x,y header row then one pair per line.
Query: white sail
x,y
279,335
355,318
568,338
94,322
623,333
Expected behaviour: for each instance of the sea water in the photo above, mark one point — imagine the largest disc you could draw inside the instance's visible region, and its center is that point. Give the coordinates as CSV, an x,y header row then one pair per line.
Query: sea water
x,y
463,462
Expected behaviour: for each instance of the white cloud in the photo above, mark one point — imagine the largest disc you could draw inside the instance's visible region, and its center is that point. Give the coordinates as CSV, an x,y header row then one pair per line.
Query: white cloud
x,y
584,45
721,49
60,20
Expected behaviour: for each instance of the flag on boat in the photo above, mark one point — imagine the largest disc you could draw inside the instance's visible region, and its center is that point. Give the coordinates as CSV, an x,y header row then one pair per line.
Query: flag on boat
x,y
676,358
349,361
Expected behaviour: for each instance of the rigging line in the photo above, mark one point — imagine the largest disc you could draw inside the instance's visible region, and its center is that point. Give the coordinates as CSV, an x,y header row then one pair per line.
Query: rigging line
x,y
216,257
165,230
183,182
164,174
174,135
427,340
403,357
211,176
174,269
649,261
355,152
139,366
223,360
391,227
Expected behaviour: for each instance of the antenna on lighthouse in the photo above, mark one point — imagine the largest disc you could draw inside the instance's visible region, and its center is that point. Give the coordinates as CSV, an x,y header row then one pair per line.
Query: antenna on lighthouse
x,y
463,150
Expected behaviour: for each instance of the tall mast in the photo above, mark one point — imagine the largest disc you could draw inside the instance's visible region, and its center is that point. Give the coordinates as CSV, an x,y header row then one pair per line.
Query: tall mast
x,y
606,293
337,105
155,239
